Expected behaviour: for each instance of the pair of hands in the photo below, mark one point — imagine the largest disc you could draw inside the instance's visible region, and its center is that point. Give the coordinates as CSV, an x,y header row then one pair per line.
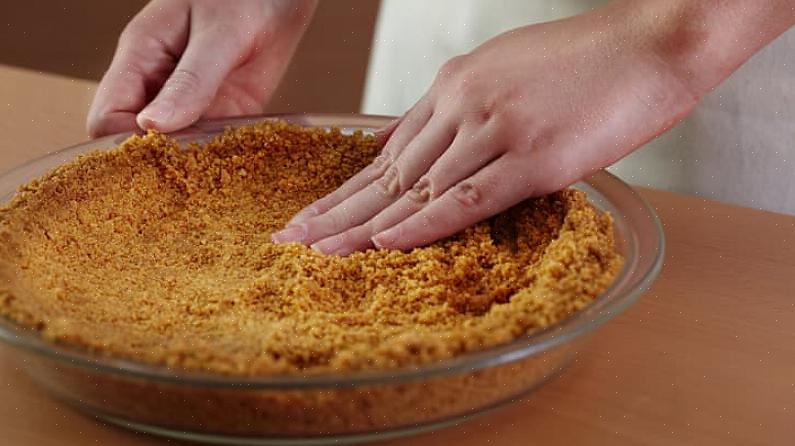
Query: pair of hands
x,y
527,113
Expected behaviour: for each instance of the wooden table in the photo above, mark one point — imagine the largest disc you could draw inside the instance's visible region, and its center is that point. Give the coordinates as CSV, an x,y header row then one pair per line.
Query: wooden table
x,y
706,357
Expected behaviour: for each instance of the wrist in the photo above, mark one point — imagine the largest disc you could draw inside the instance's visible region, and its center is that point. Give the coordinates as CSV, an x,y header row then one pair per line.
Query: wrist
x,y
700,42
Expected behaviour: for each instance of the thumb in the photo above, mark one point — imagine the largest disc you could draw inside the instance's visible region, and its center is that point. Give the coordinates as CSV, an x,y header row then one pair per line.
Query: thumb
x,y
191,87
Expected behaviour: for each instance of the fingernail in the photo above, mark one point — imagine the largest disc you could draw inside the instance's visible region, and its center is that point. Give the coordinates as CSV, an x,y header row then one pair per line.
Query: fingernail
x,y
294,233
386,238
329,245
302,215
156,115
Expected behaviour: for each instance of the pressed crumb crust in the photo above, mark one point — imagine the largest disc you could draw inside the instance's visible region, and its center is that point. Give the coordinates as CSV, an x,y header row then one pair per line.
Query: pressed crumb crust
x,y
161,254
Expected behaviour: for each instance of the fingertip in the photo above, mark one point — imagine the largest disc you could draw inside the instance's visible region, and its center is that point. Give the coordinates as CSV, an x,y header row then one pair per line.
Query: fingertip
x,y
387,239
146,125
330,245
145,122
156,116
292,233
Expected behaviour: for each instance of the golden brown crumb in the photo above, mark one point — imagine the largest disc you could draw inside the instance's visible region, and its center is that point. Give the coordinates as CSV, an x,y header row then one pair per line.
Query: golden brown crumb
x,y
160,254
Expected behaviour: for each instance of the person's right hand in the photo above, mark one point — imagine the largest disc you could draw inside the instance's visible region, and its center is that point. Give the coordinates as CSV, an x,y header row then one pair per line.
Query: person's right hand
x,y
181,60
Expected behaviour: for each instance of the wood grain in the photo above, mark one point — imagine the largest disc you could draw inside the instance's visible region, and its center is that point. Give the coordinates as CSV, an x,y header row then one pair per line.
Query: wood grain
x,y
706,357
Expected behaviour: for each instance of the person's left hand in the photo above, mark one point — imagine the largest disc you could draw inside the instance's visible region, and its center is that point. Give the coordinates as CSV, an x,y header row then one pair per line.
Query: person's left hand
x,y
526,114
178,61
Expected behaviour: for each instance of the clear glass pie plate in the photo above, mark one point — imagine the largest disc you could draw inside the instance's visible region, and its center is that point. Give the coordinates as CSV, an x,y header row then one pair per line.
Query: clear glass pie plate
x,y
325,409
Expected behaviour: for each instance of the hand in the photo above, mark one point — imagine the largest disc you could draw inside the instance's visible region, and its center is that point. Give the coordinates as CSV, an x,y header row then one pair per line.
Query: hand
x,y
525,114
180,60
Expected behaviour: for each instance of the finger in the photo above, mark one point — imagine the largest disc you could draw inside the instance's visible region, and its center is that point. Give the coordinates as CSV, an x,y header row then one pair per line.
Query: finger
x,y
119,97
468,153
415,160
406,128
125,89
383,134
192,86
110,123
140,65
491,190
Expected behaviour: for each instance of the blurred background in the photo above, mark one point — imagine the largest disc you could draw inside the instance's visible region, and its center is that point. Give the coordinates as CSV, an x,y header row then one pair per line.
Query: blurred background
x,y
76,38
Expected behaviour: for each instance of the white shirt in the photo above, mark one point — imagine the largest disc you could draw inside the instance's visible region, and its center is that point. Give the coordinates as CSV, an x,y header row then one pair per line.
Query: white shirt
x,y
737,146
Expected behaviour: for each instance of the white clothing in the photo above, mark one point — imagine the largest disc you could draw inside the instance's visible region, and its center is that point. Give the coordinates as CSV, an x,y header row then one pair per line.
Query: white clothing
x,y
737,146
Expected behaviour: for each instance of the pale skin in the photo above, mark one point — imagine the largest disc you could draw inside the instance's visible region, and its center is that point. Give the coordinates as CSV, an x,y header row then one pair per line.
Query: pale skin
x,y
527,113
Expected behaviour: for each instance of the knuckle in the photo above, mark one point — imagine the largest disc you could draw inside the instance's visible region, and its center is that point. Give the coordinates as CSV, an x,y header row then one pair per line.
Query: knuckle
x,y
453,67
482,103
422,192
469,88
530,139
382,162
456,80
468,195
139,37
389,182
505,129
184,81
130,34
383,158
480,114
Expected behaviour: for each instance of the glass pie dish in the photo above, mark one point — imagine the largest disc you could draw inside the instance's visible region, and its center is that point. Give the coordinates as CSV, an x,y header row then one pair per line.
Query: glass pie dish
x,y
331,408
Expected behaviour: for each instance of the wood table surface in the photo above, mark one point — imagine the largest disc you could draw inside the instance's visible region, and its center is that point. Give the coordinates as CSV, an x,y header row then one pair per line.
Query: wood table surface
x,y
705,357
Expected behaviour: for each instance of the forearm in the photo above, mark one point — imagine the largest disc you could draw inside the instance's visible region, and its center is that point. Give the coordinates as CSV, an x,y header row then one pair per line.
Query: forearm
x,y
704,41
